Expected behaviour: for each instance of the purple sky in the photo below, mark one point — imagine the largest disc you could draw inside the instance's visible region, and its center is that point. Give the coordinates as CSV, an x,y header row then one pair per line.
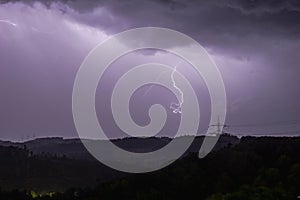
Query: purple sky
x,y
255,44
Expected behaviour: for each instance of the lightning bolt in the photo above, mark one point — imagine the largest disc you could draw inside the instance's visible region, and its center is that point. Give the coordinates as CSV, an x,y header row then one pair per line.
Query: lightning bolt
x,y
8,22
176,107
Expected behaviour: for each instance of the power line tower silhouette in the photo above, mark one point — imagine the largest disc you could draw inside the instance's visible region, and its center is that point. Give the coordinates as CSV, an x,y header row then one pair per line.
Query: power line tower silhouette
x,y
219,127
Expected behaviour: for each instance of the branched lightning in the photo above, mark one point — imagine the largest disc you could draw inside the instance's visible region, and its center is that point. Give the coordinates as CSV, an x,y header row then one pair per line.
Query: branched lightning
x,y
176,107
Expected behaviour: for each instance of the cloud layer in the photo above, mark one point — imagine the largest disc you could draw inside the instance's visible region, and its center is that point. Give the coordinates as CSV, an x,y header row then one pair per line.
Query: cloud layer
x,y
256,45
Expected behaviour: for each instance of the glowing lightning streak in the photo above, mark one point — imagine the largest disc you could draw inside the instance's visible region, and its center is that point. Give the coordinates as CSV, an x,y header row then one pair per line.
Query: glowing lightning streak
x,y
176,107
8,22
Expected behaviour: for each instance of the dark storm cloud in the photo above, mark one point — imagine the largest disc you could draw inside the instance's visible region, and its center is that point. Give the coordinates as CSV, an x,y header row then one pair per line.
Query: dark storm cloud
x,y
242,29
267,6
249,6
234,17
213,23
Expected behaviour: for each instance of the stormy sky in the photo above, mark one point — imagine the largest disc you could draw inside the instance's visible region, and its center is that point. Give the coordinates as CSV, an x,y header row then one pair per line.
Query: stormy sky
x,y
255,45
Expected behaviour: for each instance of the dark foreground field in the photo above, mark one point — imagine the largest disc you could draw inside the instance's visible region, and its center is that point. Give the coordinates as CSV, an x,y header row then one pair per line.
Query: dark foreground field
x,y
250,168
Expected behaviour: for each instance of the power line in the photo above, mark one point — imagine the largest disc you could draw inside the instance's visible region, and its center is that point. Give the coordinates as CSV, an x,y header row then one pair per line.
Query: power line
x,y
281,133
278,123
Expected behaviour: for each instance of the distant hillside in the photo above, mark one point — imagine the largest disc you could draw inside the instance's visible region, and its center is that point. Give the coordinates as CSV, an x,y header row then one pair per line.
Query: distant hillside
x,y
57,163
73,148
264,168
